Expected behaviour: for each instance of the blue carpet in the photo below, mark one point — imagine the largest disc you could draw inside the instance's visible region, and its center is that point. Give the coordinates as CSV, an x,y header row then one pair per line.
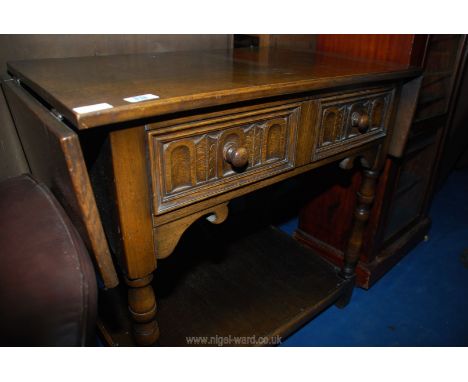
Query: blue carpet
x,y
422,301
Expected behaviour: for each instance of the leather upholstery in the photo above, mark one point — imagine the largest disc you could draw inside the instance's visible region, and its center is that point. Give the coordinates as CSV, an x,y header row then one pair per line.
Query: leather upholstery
x,y
48,291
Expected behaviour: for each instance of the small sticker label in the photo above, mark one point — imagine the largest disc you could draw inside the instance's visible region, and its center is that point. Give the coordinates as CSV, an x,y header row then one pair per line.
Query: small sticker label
x,y
139,98
90,108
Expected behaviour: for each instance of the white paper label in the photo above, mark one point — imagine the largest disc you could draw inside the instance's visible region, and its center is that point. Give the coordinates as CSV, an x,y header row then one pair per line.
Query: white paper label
x,y
90,108
139,98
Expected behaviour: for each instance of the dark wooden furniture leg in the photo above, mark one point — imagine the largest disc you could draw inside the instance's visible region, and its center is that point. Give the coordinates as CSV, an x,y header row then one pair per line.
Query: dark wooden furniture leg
x,y
142,307
365,197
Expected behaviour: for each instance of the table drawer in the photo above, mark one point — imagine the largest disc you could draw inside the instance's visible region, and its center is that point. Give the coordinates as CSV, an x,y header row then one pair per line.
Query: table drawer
x,y
200,159
351,120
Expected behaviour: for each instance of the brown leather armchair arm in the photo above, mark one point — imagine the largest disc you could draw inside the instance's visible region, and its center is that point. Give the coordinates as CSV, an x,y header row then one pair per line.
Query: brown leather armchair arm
x,y
48,291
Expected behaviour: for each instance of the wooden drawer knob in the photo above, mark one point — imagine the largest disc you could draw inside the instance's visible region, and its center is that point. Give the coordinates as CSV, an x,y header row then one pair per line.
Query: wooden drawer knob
x,y
236,156
361,121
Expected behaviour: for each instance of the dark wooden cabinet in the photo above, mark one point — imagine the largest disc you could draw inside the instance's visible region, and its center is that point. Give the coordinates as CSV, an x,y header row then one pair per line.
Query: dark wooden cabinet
x,y
399,218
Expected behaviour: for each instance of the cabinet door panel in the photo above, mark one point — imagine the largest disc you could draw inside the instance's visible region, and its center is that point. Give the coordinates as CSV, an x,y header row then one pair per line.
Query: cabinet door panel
x,y
440,65
412,184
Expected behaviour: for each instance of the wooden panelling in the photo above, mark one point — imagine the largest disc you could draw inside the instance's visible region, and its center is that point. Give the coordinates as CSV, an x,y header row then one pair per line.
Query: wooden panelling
x,y
290,41
383,47
411,184
457,134
443,55
404,118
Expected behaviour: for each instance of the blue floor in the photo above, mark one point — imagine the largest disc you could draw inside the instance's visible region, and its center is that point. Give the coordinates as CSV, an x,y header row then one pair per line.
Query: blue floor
x,y
422,301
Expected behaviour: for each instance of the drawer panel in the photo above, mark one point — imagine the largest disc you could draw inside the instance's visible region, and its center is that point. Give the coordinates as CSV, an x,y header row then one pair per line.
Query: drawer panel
x,y
197,160
351,120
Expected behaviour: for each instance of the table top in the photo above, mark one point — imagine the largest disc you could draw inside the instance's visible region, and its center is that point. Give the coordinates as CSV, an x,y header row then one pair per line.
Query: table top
x,y
186,80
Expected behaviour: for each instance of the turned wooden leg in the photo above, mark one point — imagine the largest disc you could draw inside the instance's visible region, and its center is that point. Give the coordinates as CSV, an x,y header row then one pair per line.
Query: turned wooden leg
x,y
142,307
365,197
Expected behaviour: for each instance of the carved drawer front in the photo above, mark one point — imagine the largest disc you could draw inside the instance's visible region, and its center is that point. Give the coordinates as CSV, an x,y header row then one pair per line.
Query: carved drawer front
x,y
352,120
197,160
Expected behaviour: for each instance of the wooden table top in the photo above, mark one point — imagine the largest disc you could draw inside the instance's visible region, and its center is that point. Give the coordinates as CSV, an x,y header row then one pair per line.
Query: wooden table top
x,y
187,80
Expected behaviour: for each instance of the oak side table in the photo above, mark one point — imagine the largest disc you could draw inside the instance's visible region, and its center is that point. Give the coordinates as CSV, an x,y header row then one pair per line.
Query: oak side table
x,y
139,147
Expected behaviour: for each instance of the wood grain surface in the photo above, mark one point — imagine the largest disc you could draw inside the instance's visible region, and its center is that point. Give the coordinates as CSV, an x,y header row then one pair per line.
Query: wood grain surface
x,y
187,80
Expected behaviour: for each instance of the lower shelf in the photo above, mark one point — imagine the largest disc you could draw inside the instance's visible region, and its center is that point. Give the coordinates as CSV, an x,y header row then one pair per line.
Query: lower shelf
x,y
261,284
368,273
